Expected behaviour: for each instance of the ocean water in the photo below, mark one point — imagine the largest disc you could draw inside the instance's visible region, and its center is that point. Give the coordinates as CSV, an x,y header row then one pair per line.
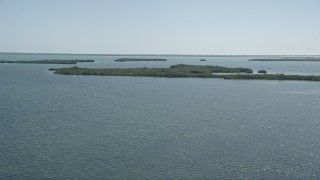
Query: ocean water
x,y
94,127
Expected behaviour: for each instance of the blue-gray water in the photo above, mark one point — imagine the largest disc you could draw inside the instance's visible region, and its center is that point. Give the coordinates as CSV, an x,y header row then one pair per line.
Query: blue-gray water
x,y
81,127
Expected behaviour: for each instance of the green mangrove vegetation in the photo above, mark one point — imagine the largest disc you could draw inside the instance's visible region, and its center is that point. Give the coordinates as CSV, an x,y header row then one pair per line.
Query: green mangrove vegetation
x,y
139,59
51,61
180,70
183,70
262,71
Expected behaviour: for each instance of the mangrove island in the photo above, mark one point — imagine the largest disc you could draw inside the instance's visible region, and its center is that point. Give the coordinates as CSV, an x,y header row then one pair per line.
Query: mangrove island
x,y
180,70
139,59
184,71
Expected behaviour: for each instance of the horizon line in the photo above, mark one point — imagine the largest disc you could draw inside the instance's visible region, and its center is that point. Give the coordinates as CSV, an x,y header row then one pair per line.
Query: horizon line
x,y
150,54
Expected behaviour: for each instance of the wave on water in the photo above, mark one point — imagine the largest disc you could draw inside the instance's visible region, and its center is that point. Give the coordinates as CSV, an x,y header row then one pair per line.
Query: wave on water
x,y
307,92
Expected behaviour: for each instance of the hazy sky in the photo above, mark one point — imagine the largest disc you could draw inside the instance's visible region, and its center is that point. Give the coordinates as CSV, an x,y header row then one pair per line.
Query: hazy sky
x,y
161,26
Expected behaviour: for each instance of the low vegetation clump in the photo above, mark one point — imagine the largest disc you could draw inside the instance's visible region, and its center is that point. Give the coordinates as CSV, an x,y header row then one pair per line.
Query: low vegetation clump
x,y
262,71
270,77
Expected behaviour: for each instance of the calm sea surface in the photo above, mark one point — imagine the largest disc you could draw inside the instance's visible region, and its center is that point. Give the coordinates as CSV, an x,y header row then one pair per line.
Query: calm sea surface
x,y
93,127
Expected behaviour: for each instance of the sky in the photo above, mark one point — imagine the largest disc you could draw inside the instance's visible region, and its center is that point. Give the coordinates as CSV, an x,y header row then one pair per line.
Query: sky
x,y
215,27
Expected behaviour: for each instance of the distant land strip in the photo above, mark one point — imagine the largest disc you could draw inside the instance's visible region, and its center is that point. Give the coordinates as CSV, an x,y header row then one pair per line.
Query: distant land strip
x,y
287,59
52,61
139,59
